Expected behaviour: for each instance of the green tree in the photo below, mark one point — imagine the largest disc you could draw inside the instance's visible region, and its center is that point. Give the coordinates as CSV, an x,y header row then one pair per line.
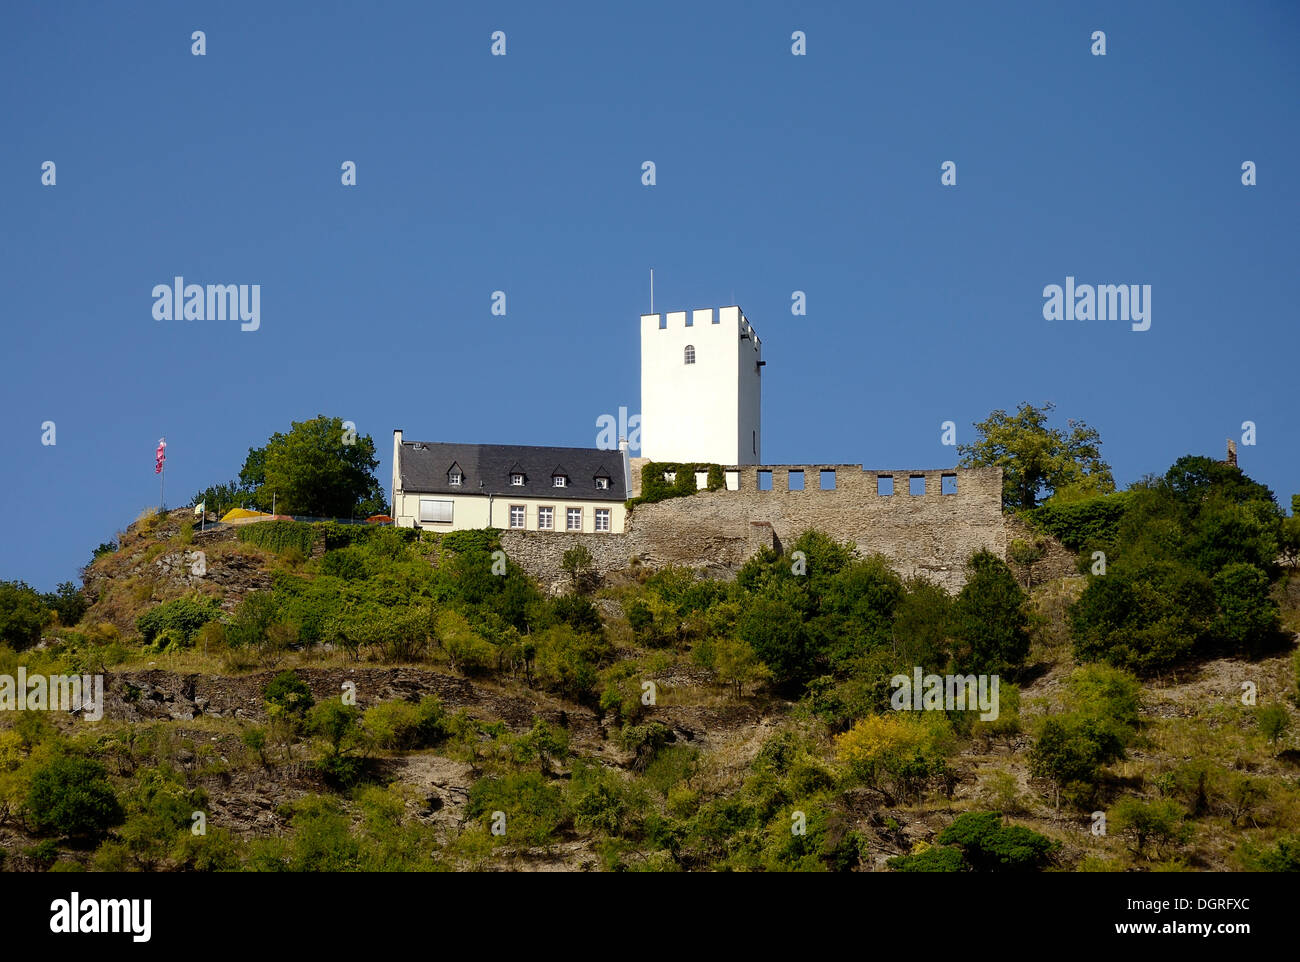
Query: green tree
x,y
578,564
252,620
1273,722
990,846
1160,821
317,469
72,797
989,622
1037,460
67,602
340,727
23,613
1069,753
220,498
1248,619
776,632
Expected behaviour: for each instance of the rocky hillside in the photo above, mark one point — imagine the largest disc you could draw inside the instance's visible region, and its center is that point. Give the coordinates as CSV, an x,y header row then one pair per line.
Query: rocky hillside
x,y
389,701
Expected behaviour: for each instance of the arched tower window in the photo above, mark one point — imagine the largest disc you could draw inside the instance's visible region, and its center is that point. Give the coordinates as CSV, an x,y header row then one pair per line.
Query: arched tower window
x,y
690,353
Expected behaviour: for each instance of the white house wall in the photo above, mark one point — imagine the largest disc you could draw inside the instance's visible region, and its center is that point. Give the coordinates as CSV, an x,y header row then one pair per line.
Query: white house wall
x,y
471,511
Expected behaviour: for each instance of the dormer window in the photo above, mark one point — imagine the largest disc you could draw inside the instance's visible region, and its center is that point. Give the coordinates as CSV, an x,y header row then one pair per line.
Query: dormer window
x,y
559,481
453,478
517,480
602,484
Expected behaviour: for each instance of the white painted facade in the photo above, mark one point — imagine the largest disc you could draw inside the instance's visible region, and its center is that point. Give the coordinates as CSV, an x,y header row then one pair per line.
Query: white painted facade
x,y
465,511
701,404
557,509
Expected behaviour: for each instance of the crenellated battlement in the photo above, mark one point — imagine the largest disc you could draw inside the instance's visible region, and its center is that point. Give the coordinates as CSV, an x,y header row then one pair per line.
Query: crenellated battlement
x,y
819,479
706,320
925,522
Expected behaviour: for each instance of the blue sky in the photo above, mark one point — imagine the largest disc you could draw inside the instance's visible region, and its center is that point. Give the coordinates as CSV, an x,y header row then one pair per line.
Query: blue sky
x,y
522,173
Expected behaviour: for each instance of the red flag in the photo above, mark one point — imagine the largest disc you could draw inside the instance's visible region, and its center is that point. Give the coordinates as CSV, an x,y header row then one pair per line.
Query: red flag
x,y
160,456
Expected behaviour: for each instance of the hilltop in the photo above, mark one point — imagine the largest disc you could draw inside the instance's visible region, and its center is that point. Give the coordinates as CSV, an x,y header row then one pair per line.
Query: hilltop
x,y
335,697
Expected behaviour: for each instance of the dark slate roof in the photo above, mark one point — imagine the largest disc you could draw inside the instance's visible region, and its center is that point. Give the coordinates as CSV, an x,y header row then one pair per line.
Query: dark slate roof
x,y
424,467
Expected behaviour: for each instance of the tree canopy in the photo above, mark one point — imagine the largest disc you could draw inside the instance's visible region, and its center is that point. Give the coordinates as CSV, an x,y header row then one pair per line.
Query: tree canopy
x,y
1038,460
320,469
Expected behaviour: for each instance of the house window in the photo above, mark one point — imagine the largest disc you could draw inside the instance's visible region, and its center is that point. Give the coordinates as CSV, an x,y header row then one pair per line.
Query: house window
x,y
602,484
558,481
454,478
545,519
574,519
602,519
516,516
517,480
433,511
690,353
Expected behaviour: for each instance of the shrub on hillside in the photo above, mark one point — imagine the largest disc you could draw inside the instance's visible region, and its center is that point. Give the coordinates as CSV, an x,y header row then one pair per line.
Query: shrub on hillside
x,y
72,797
1088,523
252,621
534,809
278,536
1188,574
475,539
182,616
287,694
897,752
989,846
346,563
405,726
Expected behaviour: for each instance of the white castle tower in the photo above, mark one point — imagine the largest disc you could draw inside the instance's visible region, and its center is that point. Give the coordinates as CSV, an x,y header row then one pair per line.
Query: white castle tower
x,y
700,387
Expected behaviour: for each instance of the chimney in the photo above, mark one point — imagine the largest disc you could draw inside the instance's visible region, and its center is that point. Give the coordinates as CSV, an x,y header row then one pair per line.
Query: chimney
x,y
397,474
627,467
1232,452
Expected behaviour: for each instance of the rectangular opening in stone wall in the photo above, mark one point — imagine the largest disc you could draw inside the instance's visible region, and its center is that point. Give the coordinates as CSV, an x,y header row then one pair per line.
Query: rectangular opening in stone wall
x,y
884,485
733,480
916,485
828,479
765,480
948,483
796,480
701,480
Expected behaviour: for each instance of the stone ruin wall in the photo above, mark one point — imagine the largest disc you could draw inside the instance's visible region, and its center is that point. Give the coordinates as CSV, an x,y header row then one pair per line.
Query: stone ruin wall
x,y
930,534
